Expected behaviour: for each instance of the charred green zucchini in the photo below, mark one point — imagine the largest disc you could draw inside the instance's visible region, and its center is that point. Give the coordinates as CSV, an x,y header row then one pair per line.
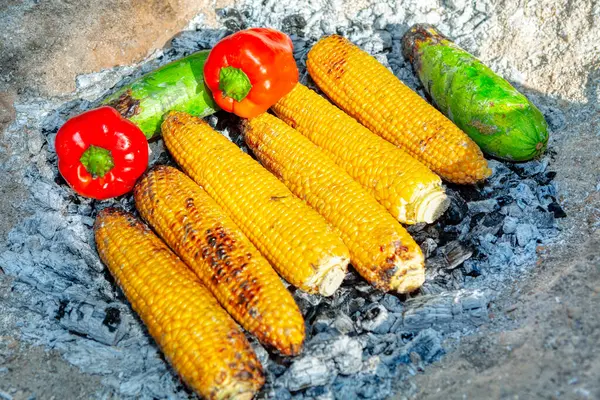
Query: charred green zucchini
x,y
177,86
502,121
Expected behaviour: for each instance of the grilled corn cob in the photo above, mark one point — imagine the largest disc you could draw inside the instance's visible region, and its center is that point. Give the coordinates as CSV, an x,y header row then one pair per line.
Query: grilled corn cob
x,y
404,186
202,342
369,92
296,240
199,232
381,250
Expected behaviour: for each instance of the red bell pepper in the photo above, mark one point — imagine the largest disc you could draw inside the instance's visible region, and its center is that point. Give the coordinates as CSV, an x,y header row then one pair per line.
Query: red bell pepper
x,y
249,71
101,154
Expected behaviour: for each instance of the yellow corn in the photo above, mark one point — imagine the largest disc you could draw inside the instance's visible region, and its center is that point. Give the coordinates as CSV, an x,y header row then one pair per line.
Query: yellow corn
x,y
204,345
403,185
206,239
296,240
381,250
369,92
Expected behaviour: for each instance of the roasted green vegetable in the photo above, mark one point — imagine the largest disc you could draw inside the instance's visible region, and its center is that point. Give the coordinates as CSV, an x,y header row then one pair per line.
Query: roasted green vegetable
x,y
177,86
502,121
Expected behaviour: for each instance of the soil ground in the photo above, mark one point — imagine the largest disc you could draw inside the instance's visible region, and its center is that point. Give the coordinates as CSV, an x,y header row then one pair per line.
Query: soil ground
x,y
544,339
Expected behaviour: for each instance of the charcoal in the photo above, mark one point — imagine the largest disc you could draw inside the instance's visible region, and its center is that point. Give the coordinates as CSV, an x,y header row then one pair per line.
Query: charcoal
x,y
275,393
471,268
294,25
457,210
96,321
493,219
545,178
446,311
510,225
530,168
504,200
428,247
525,233
308,371
368,386
483,206
355,304
546,194
557,210
455,253
375,318
392,303
343,324
319,393
523,195
412,229
513,209
276,369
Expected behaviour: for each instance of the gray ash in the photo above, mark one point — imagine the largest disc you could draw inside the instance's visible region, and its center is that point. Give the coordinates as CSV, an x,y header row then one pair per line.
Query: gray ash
x,y
361,343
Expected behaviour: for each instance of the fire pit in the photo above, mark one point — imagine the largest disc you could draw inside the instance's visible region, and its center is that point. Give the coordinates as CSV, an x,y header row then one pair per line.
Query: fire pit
x,y
361,343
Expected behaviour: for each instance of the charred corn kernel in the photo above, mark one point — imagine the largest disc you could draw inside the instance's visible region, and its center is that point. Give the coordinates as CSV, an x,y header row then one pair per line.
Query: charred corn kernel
x,y
208,241
403,185
295,239
369,92
204,345
381,250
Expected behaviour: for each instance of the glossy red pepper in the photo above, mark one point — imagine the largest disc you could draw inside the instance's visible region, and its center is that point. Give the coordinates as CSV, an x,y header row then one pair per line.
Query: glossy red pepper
x,y
249,71
101,154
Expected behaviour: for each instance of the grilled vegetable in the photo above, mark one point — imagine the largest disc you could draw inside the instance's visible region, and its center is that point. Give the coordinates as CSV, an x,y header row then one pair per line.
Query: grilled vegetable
x,y
196,228
502,121
407,188
370,93
176,86
204,345
294,238
100,154
381,250
250,70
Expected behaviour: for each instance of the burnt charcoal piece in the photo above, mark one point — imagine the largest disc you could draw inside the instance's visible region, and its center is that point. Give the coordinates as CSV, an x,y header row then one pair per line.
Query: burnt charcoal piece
x,y
446,311
60,181
493,219
446,237
112,318
557,210
468,192
294,25
428,247
62,308
546,178
457,210
476,219
471,268
483,206
232,19
456,253
375,319
504,200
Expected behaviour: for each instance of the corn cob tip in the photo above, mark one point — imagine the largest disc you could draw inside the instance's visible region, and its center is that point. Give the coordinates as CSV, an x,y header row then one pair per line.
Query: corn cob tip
x,y
409,267
431,203
411,281
330,275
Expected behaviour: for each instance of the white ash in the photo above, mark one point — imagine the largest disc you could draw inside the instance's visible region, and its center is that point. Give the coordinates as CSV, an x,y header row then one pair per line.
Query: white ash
x,y
361,343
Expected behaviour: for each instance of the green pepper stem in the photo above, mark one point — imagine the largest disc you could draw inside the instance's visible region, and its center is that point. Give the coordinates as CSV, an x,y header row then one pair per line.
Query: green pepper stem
x,y
234,83
97,161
